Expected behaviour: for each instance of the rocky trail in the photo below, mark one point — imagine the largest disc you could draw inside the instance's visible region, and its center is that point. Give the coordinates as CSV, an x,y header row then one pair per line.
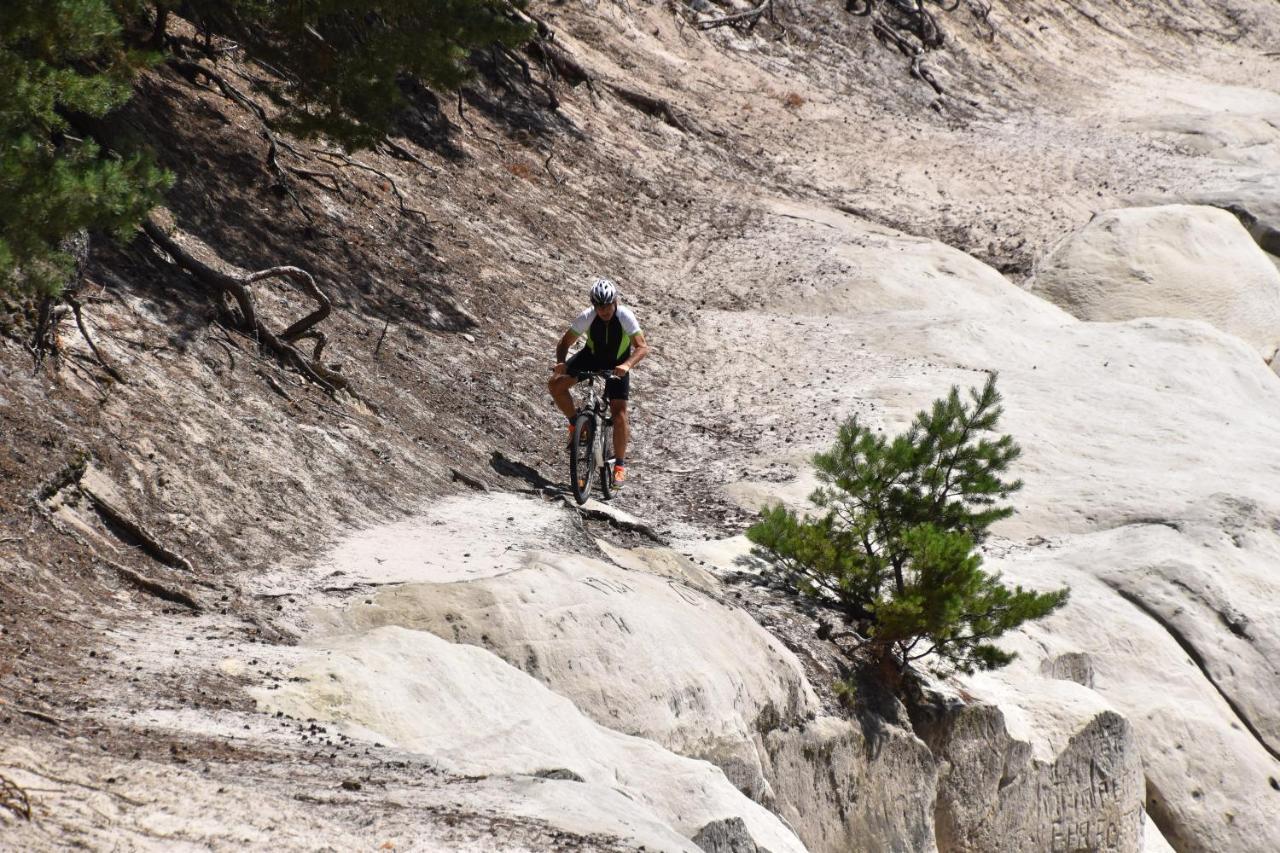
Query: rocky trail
x,y
236,612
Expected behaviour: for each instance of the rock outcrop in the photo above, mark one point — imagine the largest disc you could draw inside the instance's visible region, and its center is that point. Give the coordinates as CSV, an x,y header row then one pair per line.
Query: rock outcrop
x,y
1001,792
642,654
654,651
1179,261
477,716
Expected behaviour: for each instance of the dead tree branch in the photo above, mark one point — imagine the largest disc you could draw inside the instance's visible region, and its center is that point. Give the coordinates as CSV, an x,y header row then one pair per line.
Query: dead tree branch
x,y
237,286
153,587
743,20
150,543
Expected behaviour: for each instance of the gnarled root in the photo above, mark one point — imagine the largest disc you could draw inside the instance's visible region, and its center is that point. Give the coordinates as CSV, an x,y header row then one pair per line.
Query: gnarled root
x,y
237,286
14,799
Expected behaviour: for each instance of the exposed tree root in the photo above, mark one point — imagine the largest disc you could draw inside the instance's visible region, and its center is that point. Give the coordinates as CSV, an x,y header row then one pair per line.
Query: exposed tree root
x,y
559,64
401,153
556,63
553,102
237,286
651,106
14,799
345,160
546,166
44,340
192,71
911,28
462,117
84,332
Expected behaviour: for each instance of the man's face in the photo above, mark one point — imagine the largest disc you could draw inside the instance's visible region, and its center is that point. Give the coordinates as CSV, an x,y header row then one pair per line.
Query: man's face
x,y
605,312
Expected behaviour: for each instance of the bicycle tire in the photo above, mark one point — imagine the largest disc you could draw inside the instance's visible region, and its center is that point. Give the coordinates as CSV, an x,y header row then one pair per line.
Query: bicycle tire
x,y
606,470
582,457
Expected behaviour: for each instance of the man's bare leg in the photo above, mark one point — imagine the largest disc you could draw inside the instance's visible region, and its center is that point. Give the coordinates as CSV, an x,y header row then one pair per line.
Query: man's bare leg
x,y
559,387
621,428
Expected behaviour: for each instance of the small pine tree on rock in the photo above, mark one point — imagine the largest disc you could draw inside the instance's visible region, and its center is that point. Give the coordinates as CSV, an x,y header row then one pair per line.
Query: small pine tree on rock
x,y
893,548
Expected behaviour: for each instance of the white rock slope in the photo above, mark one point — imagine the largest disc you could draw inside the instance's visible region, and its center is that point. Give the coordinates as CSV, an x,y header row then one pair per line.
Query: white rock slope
x,y
1181,261
477,716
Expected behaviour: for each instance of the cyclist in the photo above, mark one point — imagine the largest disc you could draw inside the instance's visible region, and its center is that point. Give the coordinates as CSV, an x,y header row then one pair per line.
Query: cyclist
x,y
614,342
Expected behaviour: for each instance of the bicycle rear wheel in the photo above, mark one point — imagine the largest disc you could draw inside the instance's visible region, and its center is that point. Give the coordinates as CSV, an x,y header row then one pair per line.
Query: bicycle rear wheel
x,y
582,457
606,469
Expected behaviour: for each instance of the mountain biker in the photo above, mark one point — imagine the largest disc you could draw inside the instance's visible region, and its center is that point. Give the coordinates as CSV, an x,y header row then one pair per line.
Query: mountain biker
x,y
614,342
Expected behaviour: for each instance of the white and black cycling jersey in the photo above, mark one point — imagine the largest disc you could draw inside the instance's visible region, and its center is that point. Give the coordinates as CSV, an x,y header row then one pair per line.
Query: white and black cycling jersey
x,y
609,343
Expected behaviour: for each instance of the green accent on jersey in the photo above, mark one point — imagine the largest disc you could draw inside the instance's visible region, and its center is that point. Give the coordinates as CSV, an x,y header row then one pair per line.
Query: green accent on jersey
x,y
597,325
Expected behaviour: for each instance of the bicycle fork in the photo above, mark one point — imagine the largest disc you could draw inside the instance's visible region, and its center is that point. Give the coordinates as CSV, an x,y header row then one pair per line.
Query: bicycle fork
x,y
597,447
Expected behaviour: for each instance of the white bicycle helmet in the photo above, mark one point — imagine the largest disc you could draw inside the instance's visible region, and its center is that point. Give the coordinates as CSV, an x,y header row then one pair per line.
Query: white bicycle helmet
x,y
603,292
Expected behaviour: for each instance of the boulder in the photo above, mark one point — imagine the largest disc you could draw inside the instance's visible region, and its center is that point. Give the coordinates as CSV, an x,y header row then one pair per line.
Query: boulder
x,y
844,786
1181,637
1037,766
1180,261
652,651
477,716
642,654
1150,464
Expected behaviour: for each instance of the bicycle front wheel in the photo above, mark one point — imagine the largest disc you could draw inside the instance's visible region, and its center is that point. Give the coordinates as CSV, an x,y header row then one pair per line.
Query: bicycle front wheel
x,y
582,457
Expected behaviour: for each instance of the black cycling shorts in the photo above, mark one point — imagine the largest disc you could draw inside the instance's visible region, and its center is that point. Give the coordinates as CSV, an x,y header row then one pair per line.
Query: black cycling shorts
x,y
614,388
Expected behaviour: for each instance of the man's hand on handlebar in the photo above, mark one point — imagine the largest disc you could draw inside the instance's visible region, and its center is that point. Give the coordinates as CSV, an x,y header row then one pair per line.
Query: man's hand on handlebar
x,y
559,369
620,371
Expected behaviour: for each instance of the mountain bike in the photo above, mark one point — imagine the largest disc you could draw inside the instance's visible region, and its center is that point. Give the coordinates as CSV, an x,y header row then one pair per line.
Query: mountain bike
x,y
592,448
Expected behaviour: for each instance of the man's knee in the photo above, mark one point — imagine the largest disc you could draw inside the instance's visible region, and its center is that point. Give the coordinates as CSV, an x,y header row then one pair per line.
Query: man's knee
x,y
618,408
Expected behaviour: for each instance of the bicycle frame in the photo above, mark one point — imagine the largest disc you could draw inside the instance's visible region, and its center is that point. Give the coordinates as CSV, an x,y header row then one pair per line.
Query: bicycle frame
x,y
595,402
595,407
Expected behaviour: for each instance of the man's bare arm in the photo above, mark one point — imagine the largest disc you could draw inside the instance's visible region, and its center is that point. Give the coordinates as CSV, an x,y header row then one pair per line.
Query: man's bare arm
x,y
639,349
562,349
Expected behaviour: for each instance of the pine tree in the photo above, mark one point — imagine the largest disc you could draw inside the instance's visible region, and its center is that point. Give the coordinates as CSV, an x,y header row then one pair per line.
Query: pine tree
x,y
893,548
339,64
60,58
340,61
